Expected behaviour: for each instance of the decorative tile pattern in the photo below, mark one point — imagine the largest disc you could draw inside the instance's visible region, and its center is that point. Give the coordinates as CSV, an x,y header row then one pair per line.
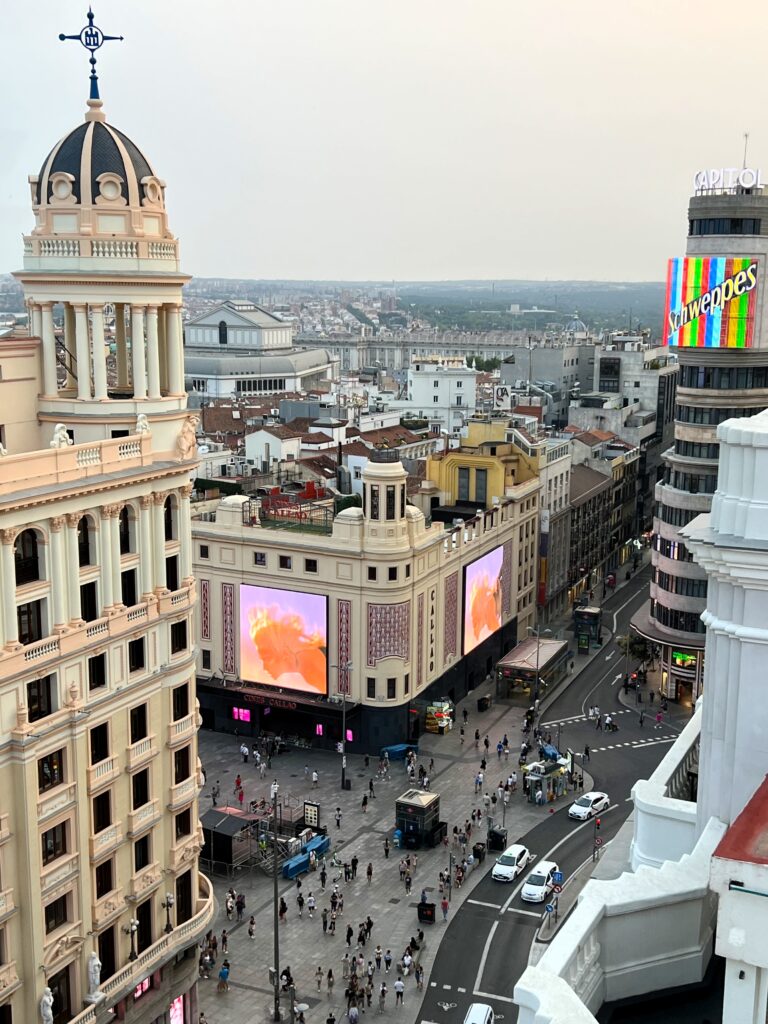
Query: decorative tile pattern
x,y
205,610
506,581
451,615
389,634
228,625
345,644
420,640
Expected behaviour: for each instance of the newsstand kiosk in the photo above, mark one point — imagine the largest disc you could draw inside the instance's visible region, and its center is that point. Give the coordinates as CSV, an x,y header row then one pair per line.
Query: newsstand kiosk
x,y
417,818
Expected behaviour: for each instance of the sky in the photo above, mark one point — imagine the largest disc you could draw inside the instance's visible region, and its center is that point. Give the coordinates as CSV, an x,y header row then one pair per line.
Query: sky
x,y
401,139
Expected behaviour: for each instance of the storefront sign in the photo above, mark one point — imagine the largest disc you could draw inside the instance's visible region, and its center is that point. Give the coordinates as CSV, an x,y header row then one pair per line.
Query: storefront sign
x,y
275,702
727,177
682,659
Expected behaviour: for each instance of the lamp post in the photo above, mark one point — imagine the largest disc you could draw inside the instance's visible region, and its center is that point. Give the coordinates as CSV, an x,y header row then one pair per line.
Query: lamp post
x,y
275,905
342,691
537,630
130,929
167,906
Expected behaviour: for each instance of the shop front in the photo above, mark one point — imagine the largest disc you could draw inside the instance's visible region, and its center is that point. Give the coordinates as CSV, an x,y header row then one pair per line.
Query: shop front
x,y
531,670
682,674
545,781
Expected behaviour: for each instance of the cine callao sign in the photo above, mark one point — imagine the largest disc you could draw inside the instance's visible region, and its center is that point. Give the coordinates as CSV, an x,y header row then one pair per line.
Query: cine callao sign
x,y
711,301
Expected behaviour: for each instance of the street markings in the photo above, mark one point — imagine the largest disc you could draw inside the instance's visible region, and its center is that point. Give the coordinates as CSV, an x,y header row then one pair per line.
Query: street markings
x,y
479,903
528,913
646,742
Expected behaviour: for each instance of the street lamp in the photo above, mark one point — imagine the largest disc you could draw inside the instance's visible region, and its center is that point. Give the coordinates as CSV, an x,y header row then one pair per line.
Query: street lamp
x,y
167,906
343,693
537,630
130,929
275,908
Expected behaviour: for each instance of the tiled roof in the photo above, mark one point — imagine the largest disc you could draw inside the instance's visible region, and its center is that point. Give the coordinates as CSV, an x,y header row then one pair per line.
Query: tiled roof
x,y
316,437
390,437
281,432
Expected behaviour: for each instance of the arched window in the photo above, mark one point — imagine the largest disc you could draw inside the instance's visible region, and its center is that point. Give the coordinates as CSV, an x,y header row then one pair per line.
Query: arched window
x,y
126,545
83,542
27,559
169,515
222,332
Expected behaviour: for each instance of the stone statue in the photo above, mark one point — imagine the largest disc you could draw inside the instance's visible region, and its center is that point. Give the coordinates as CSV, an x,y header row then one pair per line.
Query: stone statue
x,y
46,1006
94,973
3,451
186,443
142,424
61,438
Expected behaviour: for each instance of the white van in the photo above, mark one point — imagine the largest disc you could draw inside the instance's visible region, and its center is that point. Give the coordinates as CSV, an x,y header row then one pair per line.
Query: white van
x,y
479,1013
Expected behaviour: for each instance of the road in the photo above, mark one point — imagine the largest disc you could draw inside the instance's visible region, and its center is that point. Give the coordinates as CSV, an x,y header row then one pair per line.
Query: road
x,y
485,947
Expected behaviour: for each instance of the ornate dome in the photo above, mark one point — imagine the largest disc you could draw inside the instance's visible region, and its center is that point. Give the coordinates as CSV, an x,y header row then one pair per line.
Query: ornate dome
x,y
96,164
575,326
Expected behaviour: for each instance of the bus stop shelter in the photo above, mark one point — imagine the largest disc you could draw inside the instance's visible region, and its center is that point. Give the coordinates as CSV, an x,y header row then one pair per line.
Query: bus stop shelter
x,y
531,669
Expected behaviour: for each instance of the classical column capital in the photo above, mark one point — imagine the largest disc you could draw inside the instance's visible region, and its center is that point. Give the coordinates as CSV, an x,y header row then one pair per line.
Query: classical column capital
x,y
80,307
57,524
73,519
158,497
46,306
145,501
152,309
186,490
8,536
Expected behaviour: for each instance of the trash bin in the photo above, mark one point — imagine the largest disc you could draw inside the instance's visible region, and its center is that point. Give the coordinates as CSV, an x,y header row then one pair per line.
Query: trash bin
x,y
426,912
483,703
478,852
397,839
497,839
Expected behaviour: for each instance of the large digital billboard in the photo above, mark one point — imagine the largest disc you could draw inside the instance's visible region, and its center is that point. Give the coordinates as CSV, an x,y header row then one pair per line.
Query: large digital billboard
x,y
284,638
711,301
482,598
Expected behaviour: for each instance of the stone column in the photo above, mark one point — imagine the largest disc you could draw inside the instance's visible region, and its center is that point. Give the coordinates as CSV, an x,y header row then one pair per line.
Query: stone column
x,y
69,342
153,354
50,386
138,353
58,575
145,547
36,319
83,352
175,354
158,540
10,620
99,358
114,544
162,344
185,534
105,560
121,349
73,569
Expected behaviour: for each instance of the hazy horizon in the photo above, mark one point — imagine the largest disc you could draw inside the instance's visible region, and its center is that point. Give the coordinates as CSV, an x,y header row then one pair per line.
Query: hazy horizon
x,y
416,142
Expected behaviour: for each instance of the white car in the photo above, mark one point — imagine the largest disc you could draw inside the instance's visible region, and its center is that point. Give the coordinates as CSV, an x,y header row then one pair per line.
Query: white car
x,y
538,885
588,806
511,863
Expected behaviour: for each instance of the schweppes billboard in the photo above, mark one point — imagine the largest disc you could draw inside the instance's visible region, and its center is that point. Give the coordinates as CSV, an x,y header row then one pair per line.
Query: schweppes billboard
x,y
711,301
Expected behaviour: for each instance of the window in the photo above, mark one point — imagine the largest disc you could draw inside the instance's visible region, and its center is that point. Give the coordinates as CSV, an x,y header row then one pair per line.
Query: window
x,y
102,811
106,942
222,332
435,383
260,559
180,702
83,542
204,551
26,557
138,723
140,789
141,853
100,743
54,843
406,683
463,490
179,637
169,520
436,399
183,824
125,531
392,572
104,879
407,570
40,698
144,934
285,561
206,659
391,689
310,565
374,502
30,621
481,486
50,770
185,905
458,400
372,573
181,769
56,914
370,688
459,383
89,607
128,584
97,671
136,654
390,502
172,572
60,985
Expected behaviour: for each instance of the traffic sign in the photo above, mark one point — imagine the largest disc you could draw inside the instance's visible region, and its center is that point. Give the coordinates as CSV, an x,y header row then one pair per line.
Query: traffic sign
x,y
557,877
557,888
598,841
549,908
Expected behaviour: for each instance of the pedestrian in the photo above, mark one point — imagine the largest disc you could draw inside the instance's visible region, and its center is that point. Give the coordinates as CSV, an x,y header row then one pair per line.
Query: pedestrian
x,y
387,961
659,719
652,696
324,917
599,725
586,753
642,715
323,877
350,933
330,1019
252,928
282,910
486,744
315,777
353,1016
399,989
224,941
329,982
369,992
215,791
382,996
332,924
369,872
419,975
377,955
319,973
361,935
477,738
244,752
223,984
240,906
386,848
300,901
238,783
338,817
365,803
444,907
408,881
353,864
311,904
345,966
499,749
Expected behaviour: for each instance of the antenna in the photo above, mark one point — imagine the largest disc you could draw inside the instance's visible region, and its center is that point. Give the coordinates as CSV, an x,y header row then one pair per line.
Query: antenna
x,y
746,143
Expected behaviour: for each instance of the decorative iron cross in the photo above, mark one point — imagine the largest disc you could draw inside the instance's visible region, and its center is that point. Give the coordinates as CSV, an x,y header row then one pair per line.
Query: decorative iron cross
x,y
92,39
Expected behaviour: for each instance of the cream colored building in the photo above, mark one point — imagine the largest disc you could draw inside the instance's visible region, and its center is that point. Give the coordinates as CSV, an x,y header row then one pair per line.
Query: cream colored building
x,y
98,713
393,585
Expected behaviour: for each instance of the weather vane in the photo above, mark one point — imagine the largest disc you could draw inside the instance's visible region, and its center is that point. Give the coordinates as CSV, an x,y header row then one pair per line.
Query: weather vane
x,y
92,39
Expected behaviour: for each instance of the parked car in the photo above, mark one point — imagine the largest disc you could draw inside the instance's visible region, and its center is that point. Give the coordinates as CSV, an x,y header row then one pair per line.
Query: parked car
x,y
511,863
589,805
538,885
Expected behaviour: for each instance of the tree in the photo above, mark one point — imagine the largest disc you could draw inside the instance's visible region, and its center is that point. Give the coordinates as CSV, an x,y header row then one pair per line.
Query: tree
x,y
638,646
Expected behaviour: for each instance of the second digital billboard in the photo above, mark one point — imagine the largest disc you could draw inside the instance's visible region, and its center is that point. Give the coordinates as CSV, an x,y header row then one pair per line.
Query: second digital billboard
x,y
711,301
482,598
284,638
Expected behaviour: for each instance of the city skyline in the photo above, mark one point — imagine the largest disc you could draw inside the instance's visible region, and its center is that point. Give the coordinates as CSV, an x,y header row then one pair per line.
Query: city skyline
x,y
341,142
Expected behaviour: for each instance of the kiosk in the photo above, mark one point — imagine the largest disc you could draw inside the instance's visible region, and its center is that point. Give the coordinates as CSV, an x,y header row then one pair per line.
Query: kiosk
x,y
417,817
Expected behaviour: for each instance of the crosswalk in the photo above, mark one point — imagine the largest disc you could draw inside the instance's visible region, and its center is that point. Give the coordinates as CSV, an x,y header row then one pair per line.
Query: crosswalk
x,y
647,742
583,718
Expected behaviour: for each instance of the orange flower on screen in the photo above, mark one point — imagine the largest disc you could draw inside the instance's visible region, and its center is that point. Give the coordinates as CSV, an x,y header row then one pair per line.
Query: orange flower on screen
x,y
485,606
285,646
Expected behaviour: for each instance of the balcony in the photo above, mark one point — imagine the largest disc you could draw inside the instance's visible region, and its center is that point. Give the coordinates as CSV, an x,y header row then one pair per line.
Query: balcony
x,y
105,841
184,852
183,730
7,905
140,753
101,774
181,794
143,818
58,871
9,979
145,882
55,800
106,908
176,601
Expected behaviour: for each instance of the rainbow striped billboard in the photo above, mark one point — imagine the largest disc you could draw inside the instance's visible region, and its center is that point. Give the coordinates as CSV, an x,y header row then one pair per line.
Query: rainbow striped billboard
x,y
711,301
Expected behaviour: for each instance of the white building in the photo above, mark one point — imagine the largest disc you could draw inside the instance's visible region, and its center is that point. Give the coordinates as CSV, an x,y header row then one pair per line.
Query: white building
x,y
442,391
